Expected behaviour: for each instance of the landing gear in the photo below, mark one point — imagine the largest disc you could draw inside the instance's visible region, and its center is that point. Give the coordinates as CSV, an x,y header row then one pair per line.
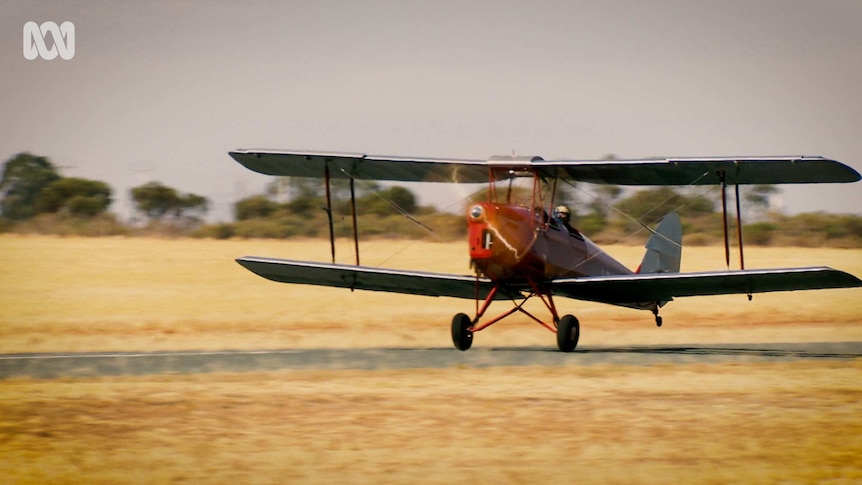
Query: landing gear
x,y
566,328
568,332
462,335
658,320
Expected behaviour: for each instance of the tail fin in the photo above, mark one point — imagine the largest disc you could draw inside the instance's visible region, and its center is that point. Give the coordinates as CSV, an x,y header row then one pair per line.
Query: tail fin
x,y
664,247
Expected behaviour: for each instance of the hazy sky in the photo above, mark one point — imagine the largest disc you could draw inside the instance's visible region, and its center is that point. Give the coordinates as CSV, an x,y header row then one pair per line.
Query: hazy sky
x,y
162,90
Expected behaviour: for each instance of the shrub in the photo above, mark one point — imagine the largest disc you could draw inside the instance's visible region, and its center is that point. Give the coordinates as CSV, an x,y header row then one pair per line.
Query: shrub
x,y
759,233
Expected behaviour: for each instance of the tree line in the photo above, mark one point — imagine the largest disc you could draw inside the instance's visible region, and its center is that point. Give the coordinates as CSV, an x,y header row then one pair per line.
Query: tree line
x,y
36,198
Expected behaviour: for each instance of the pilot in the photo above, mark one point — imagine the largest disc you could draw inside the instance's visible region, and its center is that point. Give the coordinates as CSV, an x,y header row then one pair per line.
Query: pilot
x,y
562,213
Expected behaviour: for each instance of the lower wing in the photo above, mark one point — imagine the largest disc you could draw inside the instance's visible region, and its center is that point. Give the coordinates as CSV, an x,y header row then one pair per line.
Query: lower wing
x,y
661,287
623,289
365,278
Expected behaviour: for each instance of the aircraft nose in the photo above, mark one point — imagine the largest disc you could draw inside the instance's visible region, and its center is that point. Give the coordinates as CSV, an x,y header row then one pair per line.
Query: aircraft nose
x,y
479,234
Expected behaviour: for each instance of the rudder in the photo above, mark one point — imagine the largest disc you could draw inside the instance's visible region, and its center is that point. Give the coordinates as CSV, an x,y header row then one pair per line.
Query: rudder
x,y
664,247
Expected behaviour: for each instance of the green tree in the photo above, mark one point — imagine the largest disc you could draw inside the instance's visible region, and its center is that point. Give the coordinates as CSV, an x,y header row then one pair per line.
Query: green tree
x,y
384,202
159,202
192,209
76,196
156,200
306,196
254,207
757,197
650,205
24,178
606,197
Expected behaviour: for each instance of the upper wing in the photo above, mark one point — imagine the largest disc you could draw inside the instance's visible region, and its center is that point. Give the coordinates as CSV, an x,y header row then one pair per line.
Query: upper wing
x,y
704,171
361,166
653,171
665,286
365,278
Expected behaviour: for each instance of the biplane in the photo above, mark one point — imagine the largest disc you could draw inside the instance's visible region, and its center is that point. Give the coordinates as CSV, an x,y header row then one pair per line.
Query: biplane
x,y
522,250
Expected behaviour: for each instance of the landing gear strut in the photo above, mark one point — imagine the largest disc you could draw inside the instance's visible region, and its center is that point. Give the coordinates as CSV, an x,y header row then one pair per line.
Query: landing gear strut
x,y
567,328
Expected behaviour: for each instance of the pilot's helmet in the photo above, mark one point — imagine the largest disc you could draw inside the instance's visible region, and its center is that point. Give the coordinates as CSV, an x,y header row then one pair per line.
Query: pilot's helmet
x,y
562,212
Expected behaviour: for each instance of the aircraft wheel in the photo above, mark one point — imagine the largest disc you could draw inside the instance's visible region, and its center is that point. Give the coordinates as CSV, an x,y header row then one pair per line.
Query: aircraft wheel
x,y
462,337
568,332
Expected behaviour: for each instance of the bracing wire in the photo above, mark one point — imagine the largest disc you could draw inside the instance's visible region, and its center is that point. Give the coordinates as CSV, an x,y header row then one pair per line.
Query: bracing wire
x,y
398,209
461,201
632,218
391,203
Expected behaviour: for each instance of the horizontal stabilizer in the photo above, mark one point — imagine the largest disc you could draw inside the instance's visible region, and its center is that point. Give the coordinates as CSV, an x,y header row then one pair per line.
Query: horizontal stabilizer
x,y
642,288
366,278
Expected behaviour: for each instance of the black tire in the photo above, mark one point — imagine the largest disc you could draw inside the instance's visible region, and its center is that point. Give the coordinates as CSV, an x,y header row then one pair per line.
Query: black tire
x,y
568,333
462,337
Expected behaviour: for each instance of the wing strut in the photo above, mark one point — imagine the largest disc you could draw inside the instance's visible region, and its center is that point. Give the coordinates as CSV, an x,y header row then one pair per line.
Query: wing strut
x,y
739,229
723,180
329,209
722,177
739,234
353,212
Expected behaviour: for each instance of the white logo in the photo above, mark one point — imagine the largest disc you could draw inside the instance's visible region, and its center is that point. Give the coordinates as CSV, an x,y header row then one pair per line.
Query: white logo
x,y
62,35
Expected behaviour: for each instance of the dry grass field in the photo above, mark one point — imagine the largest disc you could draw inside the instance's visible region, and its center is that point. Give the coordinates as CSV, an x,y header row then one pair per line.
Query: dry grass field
x,y
787,422
727,423
68,294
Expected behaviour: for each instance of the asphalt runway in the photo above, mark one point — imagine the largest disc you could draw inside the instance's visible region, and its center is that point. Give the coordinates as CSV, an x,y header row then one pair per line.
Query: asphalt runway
x,y
88,364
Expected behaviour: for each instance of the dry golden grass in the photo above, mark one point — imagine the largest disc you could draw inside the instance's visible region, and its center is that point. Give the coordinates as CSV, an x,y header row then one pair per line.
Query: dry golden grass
x,y
727,423
734,422
66,294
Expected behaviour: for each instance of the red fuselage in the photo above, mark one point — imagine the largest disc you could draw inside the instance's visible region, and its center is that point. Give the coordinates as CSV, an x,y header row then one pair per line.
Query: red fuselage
x,y
515,243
